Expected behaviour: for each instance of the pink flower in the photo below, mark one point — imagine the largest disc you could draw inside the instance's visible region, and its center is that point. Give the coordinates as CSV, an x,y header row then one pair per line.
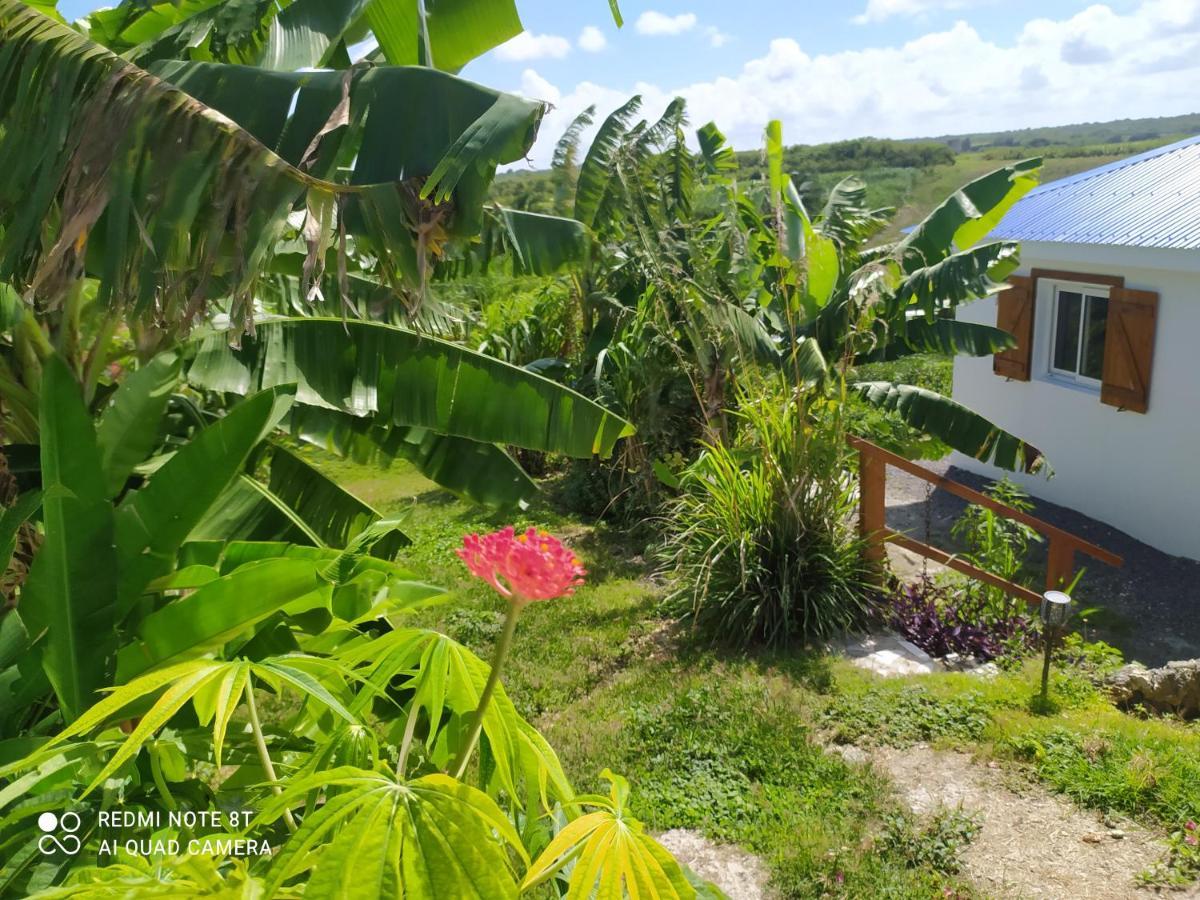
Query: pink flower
x,y
525,568
1191,840
1190,825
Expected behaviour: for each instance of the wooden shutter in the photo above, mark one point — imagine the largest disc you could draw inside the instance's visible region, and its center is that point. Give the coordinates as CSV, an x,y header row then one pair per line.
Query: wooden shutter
x,y
1014,314
1129,349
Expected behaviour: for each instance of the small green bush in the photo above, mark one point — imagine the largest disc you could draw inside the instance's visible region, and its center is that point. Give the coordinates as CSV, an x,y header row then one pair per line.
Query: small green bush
x,y
760,547
935,844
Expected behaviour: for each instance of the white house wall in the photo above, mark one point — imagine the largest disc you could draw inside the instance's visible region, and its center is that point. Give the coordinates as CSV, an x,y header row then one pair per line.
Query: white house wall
x,y
1137,472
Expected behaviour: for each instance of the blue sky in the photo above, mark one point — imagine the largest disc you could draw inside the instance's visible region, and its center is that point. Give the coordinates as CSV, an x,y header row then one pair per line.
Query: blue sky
x,y
890,68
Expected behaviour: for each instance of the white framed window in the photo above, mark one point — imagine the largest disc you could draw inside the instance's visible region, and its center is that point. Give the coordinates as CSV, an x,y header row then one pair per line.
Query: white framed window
x,y
1079,318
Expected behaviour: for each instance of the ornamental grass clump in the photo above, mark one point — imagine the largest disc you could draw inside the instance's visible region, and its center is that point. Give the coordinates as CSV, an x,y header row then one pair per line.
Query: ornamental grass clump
x,y
761,546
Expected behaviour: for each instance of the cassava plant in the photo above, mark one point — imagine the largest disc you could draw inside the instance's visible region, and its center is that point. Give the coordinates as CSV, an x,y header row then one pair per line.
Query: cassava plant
x,y
450,793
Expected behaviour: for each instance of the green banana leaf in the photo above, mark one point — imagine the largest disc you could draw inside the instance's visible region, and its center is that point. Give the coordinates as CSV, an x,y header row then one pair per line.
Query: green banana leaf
x,y
952,423
481,473
299,504
131,422
68,600
378,836
153,522
175,206
598,166
393,376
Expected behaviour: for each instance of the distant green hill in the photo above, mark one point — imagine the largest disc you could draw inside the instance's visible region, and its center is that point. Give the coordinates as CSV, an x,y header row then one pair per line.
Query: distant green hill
x,y
1120,131
914,175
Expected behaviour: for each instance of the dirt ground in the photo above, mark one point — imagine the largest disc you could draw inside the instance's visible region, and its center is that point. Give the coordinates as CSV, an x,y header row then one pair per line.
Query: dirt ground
x,y
1031,844
741,875
1149,604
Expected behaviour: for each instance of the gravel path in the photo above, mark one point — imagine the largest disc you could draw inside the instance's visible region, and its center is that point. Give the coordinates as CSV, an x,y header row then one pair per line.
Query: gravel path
x,y
1031,843
1152,604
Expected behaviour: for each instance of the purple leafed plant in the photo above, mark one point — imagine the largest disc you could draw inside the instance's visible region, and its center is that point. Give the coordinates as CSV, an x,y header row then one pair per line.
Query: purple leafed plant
x,y
940,622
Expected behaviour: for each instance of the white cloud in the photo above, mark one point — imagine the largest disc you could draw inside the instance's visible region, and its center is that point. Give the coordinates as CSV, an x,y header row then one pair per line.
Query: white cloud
x,y
716,37
535,87
592,39
528,46
879,10
656,23
946,82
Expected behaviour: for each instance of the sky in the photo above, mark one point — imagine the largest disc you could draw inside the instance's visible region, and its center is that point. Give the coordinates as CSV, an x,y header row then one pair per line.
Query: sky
x,y
835,70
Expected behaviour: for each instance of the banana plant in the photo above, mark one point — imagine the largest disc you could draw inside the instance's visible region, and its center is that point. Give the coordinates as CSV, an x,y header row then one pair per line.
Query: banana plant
x,y
132,575
694,277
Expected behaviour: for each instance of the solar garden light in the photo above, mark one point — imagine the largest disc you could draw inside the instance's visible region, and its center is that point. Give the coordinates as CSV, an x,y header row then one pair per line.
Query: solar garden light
x,y
1056,610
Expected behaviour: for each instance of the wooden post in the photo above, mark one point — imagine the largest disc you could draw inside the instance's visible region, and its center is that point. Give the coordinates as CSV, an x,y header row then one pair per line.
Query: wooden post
x,y
872,506
1060,560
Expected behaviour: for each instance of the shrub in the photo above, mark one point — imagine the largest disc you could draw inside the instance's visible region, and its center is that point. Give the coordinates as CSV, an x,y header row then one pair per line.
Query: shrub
x,y
936,843
998,545
760,546
940,621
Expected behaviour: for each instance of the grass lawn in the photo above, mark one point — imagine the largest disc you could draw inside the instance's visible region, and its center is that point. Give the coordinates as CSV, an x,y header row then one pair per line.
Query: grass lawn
x,y
733,745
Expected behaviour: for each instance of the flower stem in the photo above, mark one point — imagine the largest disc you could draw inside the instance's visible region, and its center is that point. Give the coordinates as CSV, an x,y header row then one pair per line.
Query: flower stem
x,y
263,756
410,728
502,645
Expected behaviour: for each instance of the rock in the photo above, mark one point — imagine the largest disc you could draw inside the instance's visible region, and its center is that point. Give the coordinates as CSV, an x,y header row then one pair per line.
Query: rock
x,y
1173,688
854,755
889,655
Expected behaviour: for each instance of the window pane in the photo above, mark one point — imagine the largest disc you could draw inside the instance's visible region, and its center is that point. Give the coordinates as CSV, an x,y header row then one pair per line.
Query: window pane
x,y
1093,337
1066,331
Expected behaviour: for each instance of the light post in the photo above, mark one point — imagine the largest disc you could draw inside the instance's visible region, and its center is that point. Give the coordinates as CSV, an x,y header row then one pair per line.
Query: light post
x,y
1056,610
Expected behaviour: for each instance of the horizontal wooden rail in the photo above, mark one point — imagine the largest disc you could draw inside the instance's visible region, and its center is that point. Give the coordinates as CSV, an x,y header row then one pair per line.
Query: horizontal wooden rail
x,y
961,565
873,463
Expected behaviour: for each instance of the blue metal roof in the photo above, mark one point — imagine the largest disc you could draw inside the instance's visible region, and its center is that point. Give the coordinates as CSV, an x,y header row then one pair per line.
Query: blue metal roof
x,y
1148,200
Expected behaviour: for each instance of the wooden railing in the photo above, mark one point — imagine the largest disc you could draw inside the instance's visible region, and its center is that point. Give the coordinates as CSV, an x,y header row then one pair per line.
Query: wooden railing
x,y
872,525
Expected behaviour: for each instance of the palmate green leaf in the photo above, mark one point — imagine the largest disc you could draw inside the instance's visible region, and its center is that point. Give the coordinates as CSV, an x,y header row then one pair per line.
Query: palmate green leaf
x,y
68,599
598,166
376,836
398,377
612,855
968,214
521,243
154,521
130,423
187,877
444,675
954,424
481,473
565,162
210,685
